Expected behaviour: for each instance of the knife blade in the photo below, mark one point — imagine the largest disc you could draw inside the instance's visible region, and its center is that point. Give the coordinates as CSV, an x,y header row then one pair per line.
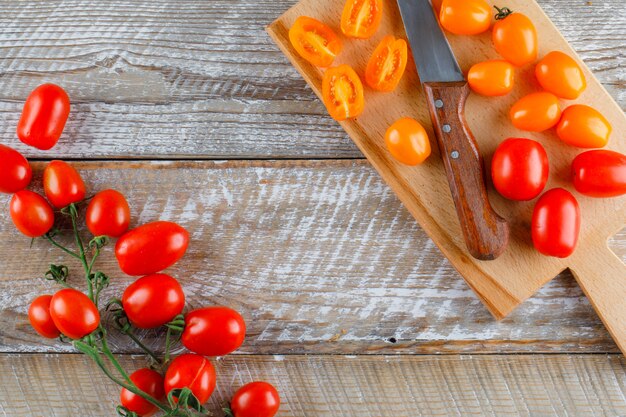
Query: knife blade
x,y
431,51
485,232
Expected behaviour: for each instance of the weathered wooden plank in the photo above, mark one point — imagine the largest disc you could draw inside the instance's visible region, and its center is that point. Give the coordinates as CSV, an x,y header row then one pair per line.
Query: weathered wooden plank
x,y
320,257
318,386
157,79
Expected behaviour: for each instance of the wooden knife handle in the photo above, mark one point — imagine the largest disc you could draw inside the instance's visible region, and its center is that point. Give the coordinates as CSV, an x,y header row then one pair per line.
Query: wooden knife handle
x,y
486,233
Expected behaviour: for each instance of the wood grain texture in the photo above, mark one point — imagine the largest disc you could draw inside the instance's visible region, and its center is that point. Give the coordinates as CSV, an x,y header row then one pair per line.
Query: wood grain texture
x,y
319,386
195,78
603,279
502,284
320,257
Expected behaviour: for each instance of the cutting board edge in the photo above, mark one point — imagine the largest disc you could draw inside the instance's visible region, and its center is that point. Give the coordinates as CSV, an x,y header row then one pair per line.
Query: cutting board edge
x,y
476,278
479,280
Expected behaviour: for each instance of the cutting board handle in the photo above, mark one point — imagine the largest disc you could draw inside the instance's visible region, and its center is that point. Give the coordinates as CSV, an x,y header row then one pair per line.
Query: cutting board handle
x,y
602,276
486,233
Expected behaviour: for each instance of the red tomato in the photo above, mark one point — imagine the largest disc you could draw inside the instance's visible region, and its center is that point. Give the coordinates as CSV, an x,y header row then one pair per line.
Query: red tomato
x,y
74,314
62,184
213,331
150,382
584,127
407,141
519,169
559,74
515,37
256,399
556,223
40,319
342,92
465,17
31,213
151,248
191,371
491,78
108,214
314,41
536,112
153,301
43,117
361,18
15,172
600,173
387,64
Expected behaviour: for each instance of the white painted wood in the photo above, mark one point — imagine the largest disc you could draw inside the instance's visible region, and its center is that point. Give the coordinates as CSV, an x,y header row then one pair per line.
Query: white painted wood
x,y
349,386
318,256
195,78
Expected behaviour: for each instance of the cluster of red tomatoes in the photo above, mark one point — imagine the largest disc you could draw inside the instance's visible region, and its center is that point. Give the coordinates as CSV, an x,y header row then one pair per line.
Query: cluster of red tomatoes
x,y
152,301
520,166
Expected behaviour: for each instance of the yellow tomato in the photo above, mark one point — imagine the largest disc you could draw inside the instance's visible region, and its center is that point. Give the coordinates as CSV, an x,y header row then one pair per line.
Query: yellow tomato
x,y
584,127
407,141
559,74
515,37
536,112
492,78
465,17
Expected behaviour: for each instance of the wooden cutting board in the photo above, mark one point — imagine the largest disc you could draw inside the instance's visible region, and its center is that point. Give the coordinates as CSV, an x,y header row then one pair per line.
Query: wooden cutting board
x,y
504,283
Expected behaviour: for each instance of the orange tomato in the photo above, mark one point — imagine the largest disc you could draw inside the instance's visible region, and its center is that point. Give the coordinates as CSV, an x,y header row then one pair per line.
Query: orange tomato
x,y
314,41
361,18
465,17
515,37
584,127
559,74
342,92
492,78
387,64
407,141
536,112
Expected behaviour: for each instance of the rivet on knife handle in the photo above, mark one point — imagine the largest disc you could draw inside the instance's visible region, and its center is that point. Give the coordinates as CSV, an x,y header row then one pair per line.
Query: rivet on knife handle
x,y
486,233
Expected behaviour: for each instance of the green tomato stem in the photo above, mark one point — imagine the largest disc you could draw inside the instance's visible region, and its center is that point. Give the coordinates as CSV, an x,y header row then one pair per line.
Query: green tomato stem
x,y
93,260
63,248
107,352
81,250
94,355
143,347
166,357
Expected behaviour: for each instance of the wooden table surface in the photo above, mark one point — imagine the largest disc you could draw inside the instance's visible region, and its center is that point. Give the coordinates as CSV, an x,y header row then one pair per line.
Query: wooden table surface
x,y
188,108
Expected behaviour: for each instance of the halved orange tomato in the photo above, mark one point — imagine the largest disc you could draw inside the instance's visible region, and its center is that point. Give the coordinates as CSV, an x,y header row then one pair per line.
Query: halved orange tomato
x,y
387,64
361,18
342,92
314,41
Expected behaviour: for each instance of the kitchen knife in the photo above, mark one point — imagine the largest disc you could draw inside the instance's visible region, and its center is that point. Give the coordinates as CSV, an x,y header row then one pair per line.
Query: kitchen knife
x,y
486,233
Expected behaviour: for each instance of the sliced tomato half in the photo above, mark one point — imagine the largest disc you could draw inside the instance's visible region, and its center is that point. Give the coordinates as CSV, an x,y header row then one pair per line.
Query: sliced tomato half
x,y
314,41
361,18
387,64
342,91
